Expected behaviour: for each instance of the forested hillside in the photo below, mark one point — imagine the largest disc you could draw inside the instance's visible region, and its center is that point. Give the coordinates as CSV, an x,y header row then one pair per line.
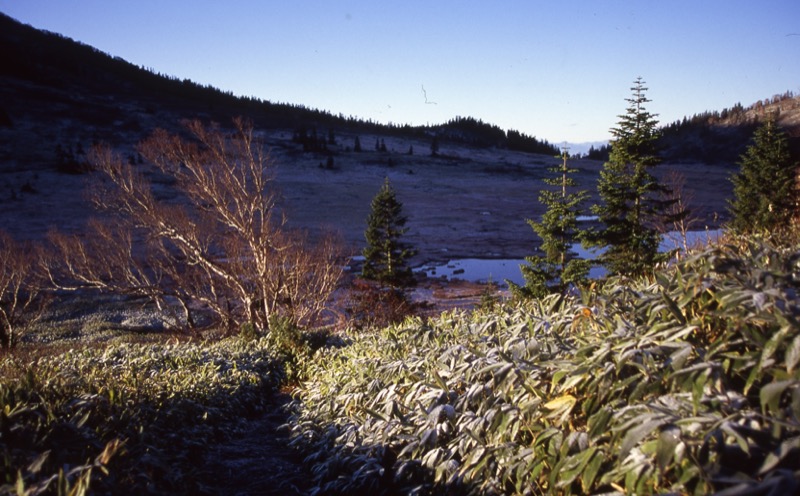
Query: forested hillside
x,y
721,136
60,91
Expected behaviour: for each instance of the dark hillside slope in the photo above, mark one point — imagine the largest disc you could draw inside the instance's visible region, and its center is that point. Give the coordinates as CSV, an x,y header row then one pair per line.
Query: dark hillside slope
x,y
55,91
58,97
721,137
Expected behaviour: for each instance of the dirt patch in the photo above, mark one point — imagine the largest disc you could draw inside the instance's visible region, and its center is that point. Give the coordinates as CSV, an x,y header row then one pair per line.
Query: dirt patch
x,y
438,295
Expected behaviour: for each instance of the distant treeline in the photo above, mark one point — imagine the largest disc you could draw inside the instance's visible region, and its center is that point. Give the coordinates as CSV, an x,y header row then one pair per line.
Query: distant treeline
x,y
718,136
722,136
476,132
56,62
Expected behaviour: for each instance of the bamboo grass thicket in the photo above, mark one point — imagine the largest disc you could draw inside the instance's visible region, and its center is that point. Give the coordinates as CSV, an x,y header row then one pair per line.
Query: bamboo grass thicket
x,y
686,382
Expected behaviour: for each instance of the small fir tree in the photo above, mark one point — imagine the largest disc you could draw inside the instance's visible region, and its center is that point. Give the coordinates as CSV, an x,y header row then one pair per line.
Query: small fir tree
x,y
559,267
386,256
765,195
632,204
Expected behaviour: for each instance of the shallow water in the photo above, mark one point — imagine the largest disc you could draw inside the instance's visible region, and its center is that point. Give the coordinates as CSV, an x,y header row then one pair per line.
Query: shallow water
x,y
500,270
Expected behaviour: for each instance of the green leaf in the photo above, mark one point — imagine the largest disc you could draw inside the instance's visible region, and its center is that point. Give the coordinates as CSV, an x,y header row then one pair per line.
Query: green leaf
x,y
698,389
573,466
545,435
557,376
793,354
489,368
591,472
770,347
678,357
755,373
732,431
439,381
598,423
662,280
770,395
635,435
673,308
668,440
788,447
376,414
37,464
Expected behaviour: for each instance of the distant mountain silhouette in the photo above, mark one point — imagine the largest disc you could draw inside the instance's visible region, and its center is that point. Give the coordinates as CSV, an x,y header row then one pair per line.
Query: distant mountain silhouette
x,y
57,94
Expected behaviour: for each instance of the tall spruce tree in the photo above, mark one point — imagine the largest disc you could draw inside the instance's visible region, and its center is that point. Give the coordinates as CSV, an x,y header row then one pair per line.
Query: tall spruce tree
x,y
559,267
630,207
386,256
765,194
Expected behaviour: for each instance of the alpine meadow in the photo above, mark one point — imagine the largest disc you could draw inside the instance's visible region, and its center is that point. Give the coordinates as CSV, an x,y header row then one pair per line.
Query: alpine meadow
x,y
204,293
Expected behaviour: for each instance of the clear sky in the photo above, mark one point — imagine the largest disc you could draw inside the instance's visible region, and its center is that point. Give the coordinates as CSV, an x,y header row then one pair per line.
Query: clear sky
x,y
558,70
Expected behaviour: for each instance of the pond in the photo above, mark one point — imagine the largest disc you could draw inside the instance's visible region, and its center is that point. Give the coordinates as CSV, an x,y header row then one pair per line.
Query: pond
x,y
500,270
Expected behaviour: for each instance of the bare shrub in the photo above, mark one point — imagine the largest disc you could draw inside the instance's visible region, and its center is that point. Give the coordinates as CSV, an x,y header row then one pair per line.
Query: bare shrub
x,y
112,257
223,243
370,305
20,301
679,211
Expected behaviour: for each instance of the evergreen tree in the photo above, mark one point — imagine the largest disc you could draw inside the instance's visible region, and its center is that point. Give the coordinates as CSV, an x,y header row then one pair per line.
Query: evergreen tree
x,y
435,146
386,256
558,268
765,196
631,204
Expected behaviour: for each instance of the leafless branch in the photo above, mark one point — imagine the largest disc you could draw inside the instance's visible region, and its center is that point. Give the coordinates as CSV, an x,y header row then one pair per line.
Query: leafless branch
x,y
679,209
20,287
224,246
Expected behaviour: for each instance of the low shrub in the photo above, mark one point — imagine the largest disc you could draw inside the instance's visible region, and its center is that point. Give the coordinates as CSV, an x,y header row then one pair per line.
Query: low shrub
x,y
372,306
128,418
685,383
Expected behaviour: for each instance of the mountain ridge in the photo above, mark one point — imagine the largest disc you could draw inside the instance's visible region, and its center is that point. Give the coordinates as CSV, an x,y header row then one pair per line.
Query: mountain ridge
x,y
468,199
45,75
46,78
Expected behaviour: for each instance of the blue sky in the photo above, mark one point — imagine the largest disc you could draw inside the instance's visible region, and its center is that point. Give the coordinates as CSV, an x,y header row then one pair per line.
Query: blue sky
x,y
555,70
